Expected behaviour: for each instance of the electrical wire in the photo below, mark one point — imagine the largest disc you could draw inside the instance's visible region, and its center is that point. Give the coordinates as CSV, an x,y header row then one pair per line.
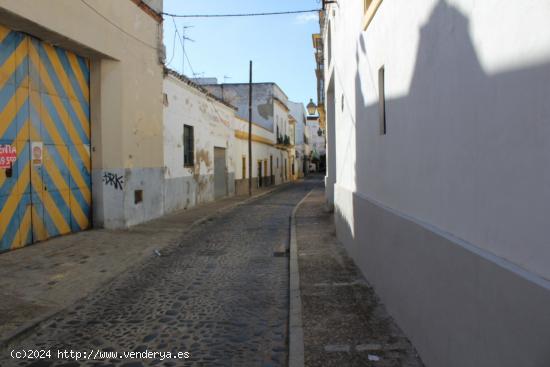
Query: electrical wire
x,y
239,14
173,49
189,62
181,43
117,26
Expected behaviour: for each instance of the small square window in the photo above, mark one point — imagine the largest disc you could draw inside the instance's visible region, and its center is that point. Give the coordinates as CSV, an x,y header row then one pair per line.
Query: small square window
x,y
138,196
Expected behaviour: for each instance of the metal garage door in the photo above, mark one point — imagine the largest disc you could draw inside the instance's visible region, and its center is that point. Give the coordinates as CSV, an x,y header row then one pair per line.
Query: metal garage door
x,y
220,173
45,127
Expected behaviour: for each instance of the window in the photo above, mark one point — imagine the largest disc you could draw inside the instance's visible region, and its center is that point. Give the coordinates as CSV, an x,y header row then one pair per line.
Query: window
x,y
244,167
381,101
188,146
138,196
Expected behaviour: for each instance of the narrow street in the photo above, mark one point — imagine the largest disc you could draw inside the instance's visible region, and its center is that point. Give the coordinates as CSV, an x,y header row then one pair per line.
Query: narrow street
x,y
220,294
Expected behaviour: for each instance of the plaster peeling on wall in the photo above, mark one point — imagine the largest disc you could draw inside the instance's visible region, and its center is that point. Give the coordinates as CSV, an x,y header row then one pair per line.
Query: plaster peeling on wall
x,y
266,109
203,107
202,155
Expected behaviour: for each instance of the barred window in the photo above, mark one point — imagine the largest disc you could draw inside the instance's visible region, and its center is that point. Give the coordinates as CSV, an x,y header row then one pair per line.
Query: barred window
x,y
188,146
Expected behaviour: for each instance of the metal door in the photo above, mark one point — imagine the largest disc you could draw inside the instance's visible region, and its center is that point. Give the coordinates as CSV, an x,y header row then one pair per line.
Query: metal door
x,y
44,114
220,173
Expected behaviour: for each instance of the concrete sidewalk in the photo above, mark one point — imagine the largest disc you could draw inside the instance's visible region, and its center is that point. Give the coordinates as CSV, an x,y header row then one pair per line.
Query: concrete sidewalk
x,y
344,324
41,280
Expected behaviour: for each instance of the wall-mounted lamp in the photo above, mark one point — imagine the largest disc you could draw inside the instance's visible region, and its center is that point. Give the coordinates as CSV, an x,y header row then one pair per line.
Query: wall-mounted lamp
x,y
311,107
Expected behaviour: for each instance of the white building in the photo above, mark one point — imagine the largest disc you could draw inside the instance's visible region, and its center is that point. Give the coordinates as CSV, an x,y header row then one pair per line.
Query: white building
x,y
199,142
298,114
273,153
206,140
316,136
438,132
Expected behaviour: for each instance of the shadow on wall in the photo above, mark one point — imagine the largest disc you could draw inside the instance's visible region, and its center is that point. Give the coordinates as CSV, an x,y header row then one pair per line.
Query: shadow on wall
x,y
462,144
460,130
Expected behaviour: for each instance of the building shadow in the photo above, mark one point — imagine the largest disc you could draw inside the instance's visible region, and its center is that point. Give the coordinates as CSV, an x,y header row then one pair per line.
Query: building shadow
x,y
461,153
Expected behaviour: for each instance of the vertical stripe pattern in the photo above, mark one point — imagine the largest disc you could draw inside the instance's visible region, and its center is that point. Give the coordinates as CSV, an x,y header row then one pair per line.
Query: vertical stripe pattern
x,y
44,97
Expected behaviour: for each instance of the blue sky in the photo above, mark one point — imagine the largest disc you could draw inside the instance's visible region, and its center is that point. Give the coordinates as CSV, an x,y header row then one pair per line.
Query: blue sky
x,y
280,46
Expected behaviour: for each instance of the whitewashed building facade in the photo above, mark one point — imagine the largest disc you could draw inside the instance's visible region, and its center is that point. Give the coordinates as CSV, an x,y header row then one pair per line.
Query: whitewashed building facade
x,y
438,144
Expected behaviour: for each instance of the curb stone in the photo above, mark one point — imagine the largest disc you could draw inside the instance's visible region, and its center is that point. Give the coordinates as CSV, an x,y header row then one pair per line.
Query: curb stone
x,y
296,331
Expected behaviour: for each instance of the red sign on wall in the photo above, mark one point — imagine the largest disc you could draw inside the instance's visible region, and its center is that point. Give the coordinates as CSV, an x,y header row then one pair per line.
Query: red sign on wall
x,y
8,155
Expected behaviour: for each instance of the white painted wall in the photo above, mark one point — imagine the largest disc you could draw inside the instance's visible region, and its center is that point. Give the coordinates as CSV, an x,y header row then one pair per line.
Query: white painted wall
x,y
316,142
298,111
212,122
260,151
468,118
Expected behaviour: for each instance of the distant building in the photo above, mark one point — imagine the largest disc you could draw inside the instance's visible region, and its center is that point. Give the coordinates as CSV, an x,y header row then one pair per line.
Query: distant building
x,y
273,146
298,114
316,141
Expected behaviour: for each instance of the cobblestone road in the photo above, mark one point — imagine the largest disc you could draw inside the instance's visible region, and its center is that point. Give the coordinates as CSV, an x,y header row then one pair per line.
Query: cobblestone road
x,y
220,295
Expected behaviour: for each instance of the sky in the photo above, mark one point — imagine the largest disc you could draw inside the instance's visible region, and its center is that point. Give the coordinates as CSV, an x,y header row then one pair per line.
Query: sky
x,y
279,46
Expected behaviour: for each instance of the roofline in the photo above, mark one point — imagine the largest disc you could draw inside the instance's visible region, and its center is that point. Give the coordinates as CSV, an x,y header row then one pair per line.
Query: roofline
x,y
255,83
186,80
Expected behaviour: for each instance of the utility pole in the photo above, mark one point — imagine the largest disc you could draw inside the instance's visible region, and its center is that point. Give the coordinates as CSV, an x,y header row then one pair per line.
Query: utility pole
x,y
250,132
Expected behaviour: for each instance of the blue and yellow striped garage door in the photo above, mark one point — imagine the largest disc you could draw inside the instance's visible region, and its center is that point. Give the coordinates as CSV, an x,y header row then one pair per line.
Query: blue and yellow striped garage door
x,y
44,103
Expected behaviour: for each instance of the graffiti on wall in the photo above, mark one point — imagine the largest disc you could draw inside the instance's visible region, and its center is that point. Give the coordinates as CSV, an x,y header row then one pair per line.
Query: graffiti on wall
x,y
114,180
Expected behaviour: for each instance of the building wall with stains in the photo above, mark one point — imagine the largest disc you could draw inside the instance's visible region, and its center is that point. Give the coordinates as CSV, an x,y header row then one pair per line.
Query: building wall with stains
x,y
123,44
264,150
212,121
237,95
270,116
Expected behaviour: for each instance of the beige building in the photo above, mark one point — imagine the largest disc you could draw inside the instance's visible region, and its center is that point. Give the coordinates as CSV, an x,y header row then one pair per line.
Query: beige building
x,y
92,96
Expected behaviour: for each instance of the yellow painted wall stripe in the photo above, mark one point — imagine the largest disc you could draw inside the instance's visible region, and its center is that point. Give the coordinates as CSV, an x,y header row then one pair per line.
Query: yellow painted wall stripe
x,y
13,200
3,32
12,107
259,139
79,76
48,123
64,78
73,135
24,227
49,205
61,185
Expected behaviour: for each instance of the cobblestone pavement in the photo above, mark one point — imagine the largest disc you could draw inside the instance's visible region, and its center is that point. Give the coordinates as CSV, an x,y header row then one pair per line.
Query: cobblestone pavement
x,y
219,294
344,322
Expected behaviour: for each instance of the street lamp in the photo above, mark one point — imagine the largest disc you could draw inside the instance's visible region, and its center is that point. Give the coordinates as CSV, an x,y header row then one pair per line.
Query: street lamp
x,y
311,107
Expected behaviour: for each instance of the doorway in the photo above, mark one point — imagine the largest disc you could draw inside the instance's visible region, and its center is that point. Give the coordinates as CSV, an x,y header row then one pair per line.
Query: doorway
x,y
220,173
260,183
